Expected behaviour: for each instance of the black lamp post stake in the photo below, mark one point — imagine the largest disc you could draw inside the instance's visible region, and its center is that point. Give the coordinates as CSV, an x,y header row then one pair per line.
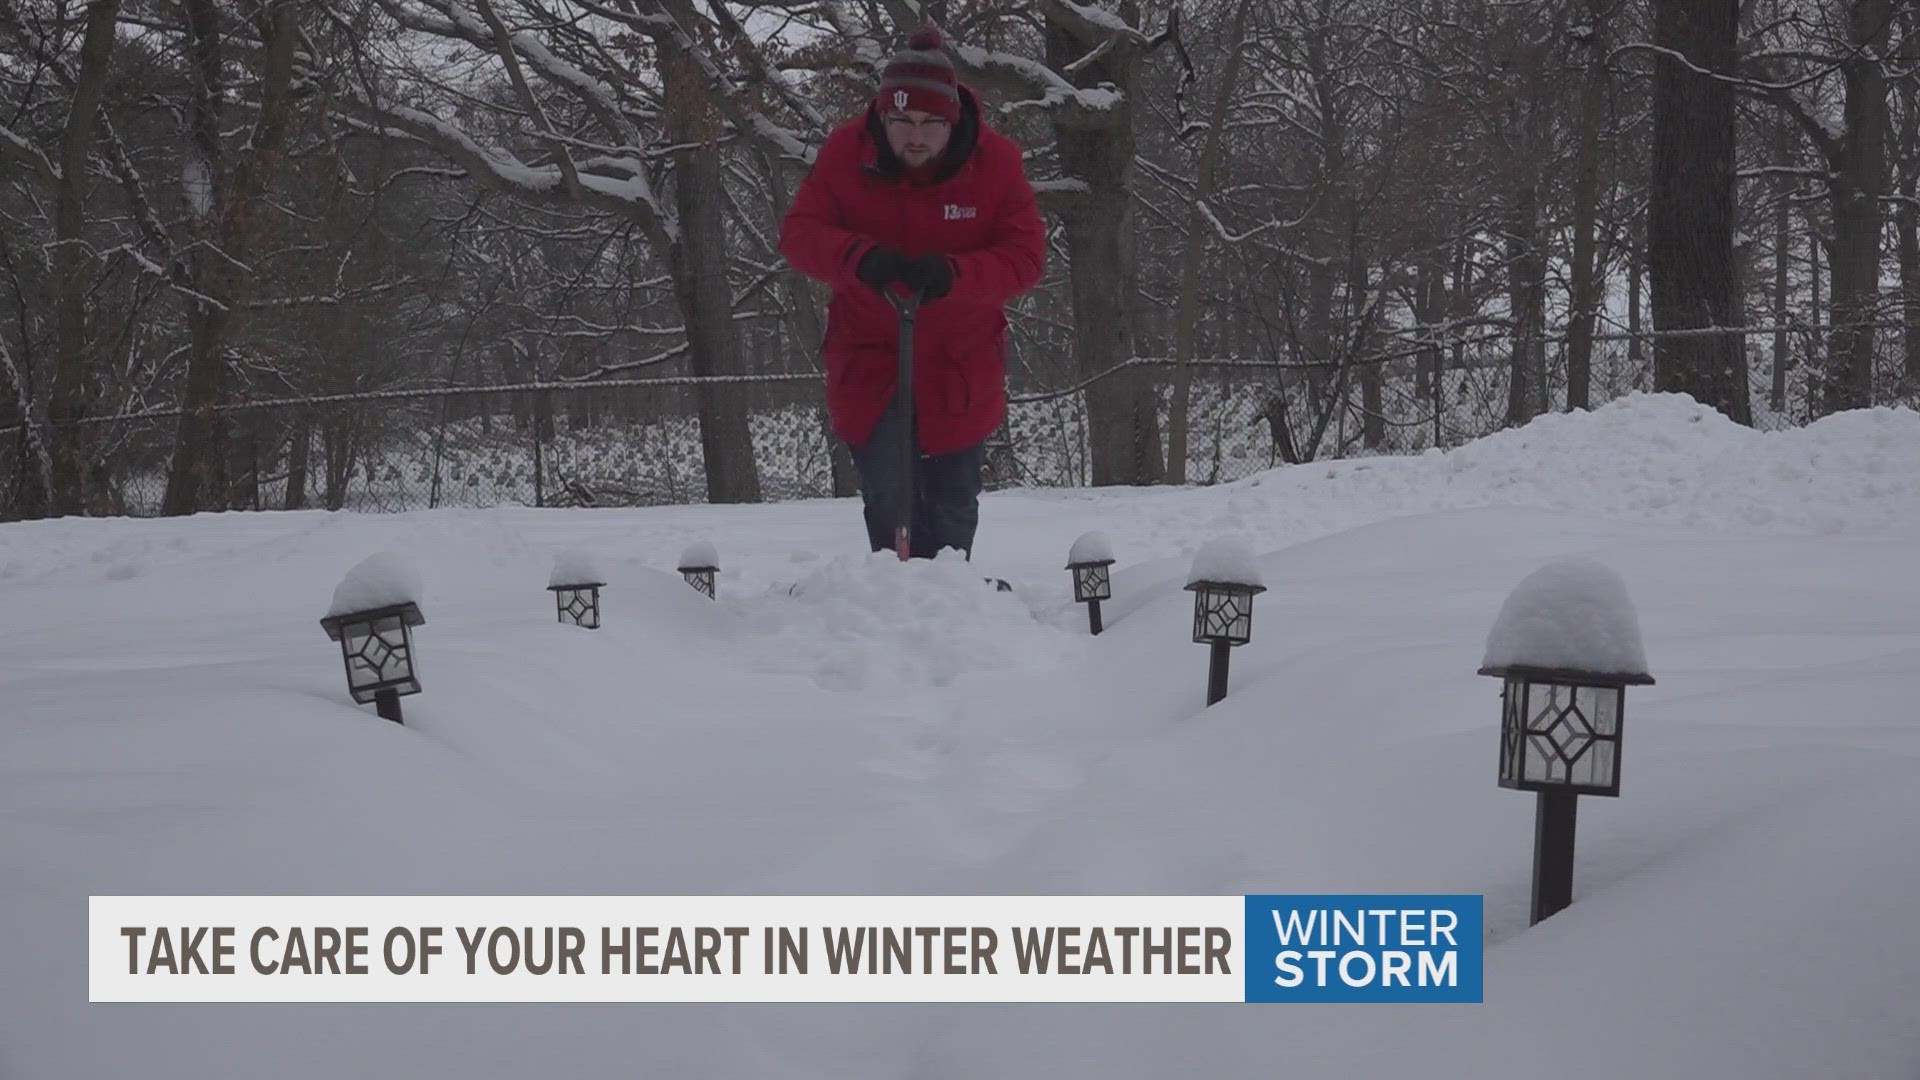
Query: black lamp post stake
x,y
387,704
1219,656
1553,830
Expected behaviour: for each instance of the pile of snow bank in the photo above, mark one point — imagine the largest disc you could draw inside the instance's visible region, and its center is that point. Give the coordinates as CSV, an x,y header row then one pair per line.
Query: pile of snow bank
x,y
1662,458
1667,455
377,581
1570,613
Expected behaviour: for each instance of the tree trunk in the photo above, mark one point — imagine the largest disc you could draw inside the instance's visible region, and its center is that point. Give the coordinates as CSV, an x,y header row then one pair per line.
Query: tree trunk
x,y
73,391
1691,206
1910,283
1583,290
1520,352
1855,185
1526,295
1429,311
1426,290
1463,306
1908,226
33,496
1123,415
297,452
1782,266
699,264
1814,247
1855,288
1636,286
1857,165
341,446
197,438
242,483
1373,413
1197,231
227,204
1782,252
1319,348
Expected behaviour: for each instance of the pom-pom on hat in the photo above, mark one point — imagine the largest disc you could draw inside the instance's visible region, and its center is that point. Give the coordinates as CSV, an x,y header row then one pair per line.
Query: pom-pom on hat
x,y
921,78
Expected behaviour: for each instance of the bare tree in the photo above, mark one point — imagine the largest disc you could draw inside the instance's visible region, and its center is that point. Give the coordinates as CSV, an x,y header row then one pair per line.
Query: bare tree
x,y
1187,315
52,403
1795,66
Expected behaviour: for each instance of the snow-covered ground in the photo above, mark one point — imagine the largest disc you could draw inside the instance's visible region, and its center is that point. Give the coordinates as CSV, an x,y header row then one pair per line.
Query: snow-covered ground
x,y
173,719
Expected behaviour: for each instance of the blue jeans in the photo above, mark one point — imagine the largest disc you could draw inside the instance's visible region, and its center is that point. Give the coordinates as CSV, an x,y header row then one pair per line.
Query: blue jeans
x,y
946,490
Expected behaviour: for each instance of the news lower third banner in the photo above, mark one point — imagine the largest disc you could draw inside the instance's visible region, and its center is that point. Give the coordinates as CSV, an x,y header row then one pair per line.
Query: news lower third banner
x,y
1275,948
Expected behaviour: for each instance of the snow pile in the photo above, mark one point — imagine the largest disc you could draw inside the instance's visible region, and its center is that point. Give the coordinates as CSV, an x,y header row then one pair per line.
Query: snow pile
x,y
1092,547
860,622
574,568
700,555
377,581
1644,457
1225,560
1571,613
1667,455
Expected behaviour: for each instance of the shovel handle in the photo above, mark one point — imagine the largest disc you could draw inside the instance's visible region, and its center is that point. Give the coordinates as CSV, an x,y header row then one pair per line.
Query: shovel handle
x,y
908,307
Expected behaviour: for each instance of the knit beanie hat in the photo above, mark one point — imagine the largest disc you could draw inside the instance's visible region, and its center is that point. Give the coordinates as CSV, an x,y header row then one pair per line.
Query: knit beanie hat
x,y
921,78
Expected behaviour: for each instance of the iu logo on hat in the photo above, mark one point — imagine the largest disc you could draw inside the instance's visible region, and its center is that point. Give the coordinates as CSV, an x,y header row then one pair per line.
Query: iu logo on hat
x,y
900,100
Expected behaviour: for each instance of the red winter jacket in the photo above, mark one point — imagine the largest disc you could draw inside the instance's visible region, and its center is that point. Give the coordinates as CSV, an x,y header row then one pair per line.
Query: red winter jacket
x,y
976,207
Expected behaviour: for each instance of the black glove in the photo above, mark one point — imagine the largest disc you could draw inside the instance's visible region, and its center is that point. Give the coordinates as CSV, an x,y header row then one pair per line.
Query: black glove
x,y
931,276
880,267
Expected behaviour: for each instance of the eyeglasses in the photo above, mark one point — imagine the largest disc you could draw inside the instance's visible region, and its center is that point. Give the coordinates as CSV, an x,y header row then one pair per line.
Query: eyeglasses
x,y
932,125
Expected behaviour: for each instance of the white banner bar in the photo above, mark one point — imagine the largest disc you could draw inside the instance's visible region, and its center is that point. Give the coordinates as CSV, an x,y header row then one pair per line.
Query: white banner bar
x,y
665,948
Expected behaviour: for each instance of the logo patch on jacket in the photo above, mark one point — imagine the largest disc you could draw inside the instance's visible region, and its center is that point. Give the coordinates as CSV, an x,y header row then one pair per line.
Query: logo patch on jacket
x,y
957,213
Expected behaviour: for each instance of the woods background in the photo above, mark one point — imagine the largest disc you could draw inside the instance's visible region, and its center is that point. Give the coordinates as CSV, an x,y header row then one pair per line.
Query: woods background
x,y
391,254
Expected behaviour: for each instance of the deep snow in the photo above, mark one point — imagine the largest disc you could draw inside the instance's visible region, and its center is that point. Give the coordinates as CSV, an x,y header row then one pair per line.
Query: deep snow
x,y
174,721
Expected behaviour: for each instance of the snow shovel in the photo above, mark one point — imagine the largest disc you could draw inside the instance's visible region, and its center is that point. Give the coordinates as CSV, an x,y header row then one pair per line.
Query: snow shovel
x,y
909,309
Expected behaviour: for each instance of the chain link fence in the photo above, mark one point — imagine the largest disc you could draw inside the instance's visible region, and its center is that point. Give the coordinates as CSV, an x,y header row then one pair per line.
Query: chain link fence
x,y
647,442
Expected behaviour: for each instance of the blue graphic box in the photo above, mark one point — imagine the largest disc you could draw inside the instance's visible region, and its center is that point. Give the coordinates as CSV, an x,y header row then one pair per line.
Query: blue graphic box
x,y
1407,948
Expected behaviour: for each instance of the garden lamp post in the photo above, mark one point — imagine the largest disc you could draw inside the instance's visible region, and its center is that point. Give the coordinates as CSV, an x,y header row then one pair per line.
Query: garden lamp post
x,y
576,586
1223,581
1092,580
578,603
1565,647
698,565
377,646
